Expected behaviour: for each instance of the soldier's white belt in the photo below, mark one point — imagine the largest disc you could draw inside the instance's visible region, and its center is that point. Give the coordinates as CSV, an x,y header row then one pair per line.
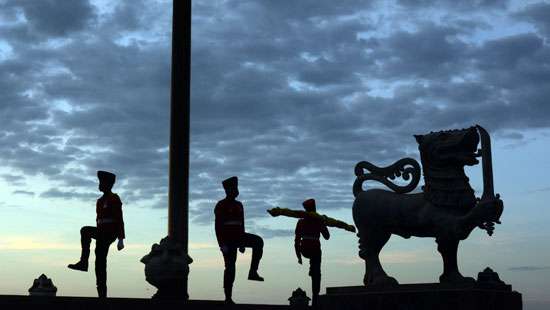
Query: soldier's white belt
x,y
106,221
309,238
233,223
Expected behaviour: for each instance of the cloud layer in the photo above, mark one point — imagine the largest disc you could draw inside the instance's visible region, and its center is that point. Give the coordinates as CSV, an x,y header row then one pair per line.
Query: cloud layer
x,y
289,96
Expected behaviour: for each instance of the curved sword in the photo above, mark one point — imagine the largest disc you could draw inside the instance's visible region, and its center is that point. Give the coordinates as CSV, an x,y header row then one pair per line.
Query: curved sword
x,y
487,164
488,196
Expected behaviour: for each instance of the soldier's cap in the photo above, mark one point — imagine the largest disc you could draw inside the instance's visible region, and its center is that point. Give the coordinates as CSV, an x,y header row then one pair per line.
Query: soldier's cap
x,y
309,204
231,182
106,176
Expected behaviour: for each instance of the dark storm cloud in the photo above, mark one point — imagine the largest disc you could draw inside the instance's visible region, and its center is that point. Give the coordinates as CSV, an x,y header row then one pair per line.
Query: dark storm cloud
x,y
55,193
450,4
529,268
507,53
53,18
13,179
288,96
129,15
26,193
267,232
431,52
539,15
538,190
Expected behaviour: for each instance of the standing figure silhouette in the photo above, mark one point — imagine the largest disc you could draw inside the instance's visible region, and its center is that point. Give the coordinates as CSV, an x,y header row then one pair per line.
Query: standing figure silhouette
x,y
307,244
229,224
110,226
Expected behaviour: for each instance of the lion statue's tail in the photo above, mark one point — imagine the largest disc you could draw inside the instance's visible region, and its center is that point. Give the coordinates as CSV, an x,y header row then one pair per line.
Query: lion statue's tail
x,y
404,168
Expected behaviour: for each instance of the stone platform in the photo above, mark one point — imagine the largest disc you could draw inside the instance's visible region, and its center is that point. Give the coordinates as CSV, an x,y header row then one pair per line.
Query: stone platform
x,y
430,296
14,302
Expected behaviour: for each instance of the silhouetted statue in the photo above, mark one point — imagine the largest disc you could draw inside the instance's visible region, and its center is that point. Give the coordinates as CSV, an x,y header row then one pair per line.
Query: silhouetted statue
x,y
232,236
447,209
308,230
110,226
307,244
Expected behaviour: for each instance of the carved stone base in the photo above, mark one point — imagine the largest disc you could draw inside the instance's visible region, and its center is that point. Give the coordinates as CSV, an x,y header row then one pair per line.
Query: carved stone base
x,y
299,299
42,286
172,290
421,297
167,268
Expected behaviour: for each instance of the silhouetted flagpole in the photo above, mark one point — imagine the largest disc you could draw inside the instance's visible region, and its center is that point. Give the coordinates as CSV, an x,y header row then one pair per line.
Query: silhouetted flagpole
x,y
178,199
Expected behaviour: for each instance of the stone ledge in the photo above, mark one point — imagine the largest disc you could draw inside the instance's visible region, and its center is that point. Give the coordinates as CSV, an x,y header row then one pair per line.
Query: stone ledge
x,y
431,296
18,302
414,287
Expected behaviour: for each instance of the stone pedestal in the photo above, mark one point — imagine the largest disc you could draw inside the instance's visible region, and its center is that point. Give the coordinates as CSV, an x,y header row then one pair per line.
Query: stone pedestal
x,y
166,268
431,296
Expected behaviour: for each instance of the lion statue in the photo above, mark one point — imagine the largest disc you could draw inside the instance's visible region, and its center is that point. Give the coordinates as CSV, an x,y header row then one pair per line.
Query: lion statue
x,y
446,209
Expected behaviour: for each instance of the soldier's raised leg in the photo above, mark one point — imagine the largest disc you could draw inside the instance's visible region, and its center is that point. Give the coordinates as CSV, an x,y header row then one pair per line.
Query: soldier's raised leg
x,y
87,233
257,244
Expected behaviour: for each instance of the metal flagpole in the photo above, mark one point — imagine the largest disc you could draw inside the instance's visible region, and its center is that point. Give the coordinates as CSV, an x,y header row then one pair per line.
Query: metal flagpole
x,y
167,265
178,199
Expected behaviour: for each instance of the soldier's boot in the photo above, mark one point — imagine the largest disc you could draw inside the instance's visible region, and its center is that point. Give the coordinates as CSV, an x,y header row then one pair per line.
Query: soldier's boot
x,y
228,295
255,262
81,266
102,291
254,276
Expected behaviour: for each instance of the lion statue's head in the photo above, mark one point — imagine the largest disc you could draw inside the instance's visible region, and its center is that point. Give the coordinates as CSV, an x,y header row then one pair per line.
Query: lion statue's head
x,y
443,155
451,148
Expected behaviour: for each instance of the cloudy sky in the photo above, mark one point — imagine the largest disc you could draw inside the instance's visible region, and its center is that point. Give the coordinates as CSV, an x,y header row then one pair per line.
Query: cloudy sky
x,y
288,95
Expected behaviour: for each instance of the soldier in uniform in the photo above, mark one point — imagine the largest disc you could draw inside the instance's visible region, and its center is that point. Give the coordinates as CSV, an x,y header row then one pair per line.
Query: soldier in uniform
x,y
110,226
229,224
307,244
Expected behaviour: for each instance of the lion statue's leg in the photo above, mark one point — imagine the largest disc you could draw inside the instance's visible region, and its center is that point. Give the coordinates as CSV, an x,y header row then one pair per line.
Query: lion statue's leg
x,y
448,250
371,243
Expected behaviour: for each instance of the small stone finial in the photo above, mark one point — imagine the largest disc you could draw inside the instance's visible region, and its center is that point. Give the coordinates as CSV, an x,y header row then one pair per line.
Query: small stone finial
x,y
490,279
42,286
299,299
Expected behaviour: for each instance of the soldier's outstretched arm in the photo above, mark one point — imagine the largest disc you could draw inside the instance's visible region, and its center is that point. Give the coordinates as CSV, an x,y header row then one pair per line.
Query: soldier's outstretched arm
x,y
303,214
337,223
287,212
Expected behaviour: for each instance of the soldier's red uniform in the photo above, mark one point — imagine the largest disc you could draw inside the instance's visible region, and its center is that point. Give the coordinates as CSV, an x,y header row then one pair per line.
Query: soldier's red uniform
x,y
109,215
306,243
229,222
307,234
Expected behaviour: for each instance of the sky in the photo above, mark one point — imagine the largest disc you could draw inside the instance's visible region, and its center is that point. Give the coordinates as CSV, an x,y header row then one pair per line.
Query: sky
x,y
289,96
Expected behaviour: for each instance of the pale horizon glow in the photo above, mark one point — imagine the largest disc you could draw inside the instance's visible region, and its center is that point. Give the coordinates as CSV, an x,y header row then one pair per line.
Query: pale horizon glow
x,y
287,95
